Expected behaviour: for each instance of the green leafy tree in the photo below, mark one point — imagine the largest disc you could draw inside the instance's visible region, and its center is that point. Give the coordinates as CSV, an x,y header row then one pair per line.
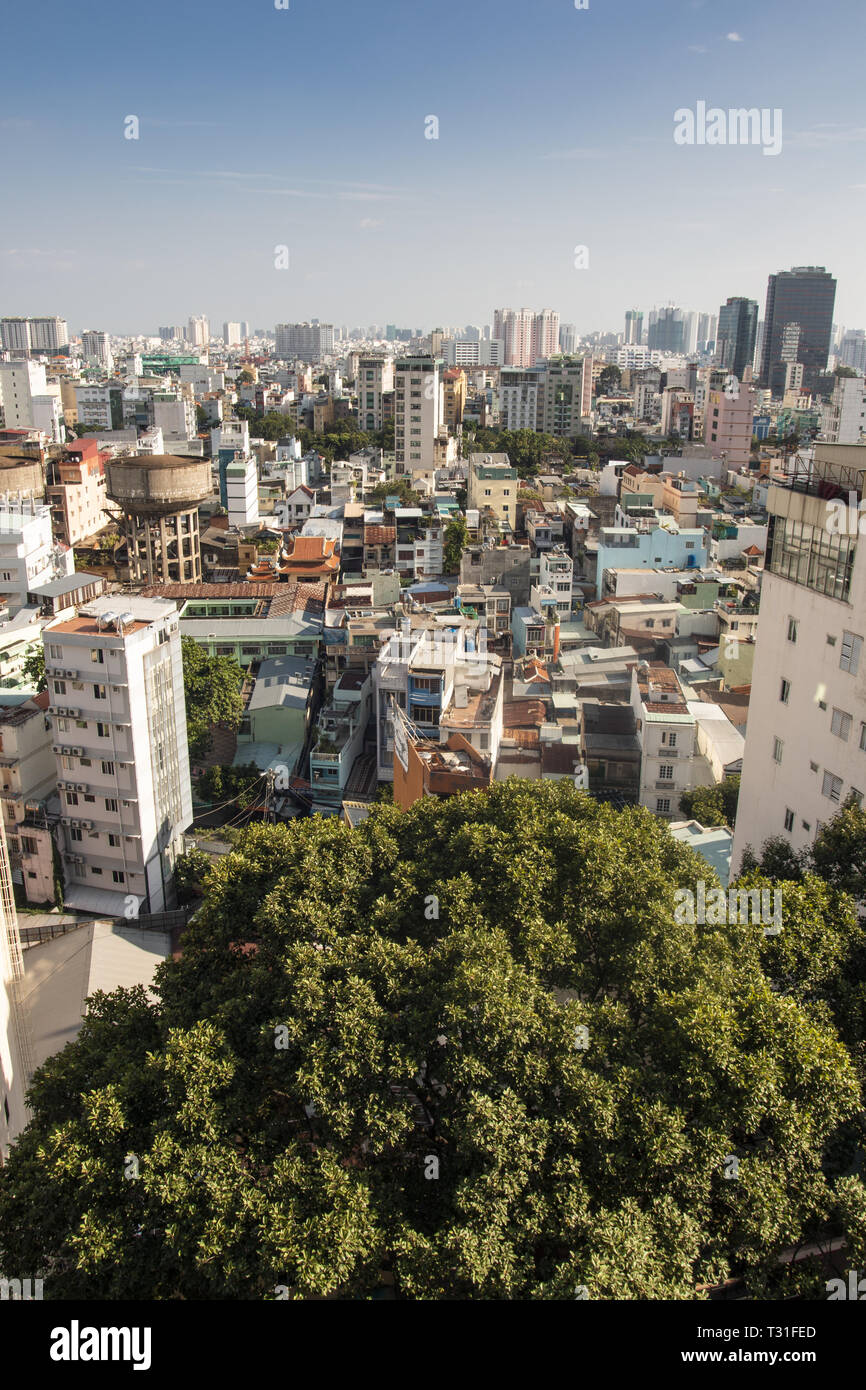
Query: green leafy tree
x,y
609,380
212,689
241,784
471,1048
456,540
33,668
716,805
190,871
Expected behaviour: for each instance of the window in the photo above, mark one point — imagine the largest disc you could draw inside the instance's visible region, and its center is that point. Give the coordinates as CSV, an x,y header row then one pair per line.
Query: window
x,y
114,840
75,833
60,687
831,640
832,787
97,654
666,772
785,691
94,870
103,730
54,651
118,876
99,692
863,737
110,803
86,762
840,724
856,796
72,798
792,629
789,820
87,797
849,657
777,750
107,767
663,805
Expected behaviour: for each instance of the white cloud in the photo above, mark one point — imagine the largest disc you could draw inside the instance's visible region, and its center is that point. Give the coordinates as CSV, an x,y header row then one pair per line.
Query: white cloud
x,y
697,48
370,222
734,38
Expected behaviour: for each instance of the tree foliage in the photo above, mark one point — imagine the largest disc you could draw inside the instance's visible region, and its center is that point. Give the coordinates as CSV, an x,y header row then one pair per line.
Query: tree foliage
x,y
716,805
212,689
33,668
456,539
467,1048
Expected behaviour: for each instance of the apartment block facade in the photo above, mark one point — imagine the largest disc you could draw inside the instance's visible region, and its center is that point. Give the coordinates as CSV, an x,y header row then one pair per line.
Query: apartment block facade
x,y
115,680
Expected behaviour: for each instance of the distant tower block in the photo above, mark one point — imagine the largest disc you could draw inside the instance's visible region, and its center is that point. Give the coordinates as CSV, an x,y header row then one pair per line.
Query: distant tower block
x,y
159,495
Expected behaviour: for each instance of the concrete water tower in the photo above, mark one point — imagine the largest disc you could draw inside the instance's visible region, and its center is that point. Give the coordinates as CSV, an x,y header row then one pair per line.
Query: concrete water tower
x,y
159,496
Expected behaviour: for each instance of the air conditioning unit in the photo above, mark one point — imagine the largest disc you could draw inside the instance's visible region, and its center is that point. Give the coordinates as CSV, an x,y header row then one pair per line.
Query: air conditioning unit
x,y
77,752
86,824
56,748
71,675
81,786
66,820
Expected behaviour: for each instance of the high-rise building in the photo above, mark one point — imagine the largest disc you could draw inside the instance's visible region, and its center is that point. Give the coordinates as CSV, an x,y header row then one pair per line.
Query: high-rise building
x,y
728,422
453,397
843,421
852,350
519,391
803,297
15,334
707,332
198,331
667,330
567,337
28,401
633,328
96,348
309,341
115,680
375,378
806,742
566,396
527,335
417,413
735,341
232,334
48,335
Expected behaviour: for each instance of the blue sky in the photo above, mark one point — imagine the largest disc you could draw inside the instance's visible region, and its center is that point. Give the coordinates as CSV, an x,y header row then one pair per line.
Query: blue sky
x,y
305,127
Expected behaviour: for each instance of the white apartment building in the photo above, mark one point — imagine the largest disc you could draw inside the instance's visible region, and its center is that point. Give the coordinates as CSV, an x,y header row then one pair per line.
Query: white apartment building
x,y
115,680
418,413
174,414
100,407
806,737
242,492
48,334
29,556
15,334
27,769
198,331
232,334
96,347
485,352
15,1052
28,401
666,731
843,421
375,377
518,398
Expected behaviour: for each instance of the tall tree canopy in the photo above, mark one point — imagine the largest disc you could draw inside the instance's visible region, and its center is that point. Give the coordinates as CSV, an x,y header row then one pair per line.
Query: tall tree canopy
x,y
212,690
467,1049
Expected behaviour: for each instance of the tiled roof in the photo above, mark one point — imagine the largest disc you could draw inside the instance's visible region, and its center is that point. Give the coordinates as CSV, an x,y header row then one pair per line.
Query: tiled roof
x,y
379,535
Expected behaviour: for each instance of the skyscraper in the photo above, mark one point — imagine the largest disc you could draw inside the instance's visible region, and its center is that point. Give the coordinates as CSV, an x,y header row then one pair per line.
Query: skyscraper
x,y
198,331
735,343
803,296
852,352
633,327
667,332
527,335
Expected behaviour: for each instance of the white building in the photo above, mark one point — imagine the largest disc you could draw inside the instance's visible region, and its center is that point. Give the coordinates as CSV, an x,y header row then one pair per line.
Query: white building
x,y
555,573
15,335
843,421
806,737
518,398
115,679
174,414
96,348
418,413
48,334
27,400
29,556
666,731
232,334
375,378
242,492
198,331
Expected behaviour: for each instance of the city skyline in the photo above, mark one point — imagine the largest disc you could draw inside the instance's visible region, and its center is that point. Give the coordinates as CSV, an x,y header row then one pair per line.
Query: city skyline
x,y
187,218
